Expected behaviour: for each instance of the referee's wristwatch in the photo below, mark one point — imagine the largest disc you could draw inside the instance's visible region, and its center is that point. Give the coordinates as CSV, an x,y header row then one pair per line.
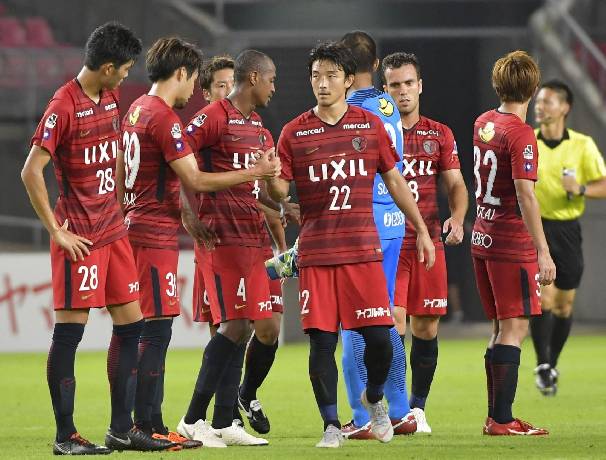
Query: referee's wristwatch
x,y
582,190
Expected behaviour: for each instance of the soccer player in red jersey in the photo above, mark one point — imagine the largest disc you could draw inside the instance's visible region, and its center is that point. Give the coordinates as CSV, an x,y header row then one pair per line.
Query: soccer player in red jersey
x,y
227,134
156,156
510,254
430,152
216,80
333,153
92,262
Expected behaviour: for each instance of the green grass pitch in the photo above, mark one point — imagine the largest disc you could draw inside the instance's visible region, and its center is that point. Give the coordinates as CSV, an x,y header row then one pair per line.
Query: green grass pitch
x,y
456,407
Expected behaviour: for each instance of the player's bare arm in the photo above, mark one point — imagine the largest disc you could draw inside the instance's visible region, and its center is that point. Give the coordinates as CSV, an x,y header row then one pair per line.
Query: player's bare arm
x,y
287,212
402,196
529,207
274,224
200,181
278,188
33,179
201,234
457,202
593,189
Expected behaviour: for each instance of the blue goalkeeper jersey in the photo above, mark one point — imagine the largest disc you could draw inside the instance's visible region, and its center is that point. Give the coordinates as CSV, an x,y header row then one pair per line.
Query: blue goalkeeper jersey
x,y
388,217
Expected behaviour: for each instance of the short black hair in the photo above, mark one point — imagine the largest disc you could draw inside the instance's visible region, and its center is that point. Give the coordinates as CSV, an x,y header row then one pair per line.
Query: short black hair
x,y
363,49
334,52
397,60
169,54
250,61
213,65
112,42
561,88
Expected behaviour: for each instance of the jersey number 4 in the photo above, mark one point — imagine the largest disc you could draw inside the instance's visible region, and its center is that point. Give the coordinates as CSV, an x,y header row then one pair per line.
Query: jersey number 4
x,y
489,157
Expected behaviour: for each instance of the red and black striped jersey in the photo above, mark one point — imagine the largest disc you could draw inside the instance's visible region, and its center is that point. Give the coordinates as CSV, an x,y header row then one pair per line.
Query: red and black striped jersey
x,y
226,140
82,138
152,137
504,149
334,167
429,149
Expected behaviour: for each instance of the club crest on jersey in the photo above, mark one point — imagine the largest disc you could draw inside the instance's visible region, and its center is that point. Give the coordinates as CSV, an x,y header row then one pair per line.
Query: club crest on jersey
x,y
487,132
359,143
175,131
116,124
430,146
51,121
133,117
528,154
385,107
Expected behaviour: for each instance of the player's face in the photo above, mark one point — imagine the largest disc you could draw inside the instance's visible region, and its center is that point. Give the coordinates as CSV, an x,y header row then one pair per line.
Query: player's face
x,y
186,89
265,86
405,86
329,83
221,86
549,107
115,75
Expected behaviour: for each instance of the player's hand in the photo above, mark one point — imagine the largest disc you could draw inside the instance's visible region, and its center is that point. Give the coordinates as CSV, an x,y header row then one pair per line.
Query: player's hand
x,y
456,231
570,184
547,269
291,212
202,234
267,164
426,252
76,246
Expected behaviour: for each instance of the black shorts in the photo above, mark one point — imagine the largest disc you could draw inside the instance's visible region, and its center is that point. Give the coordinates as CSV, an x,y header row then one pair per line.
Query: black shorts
x,y
565,240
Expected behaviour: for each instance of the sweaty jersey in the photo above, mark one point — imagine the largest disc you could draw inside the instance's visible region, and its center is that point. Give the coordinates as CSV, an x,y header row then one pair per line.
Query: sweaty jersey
x,y
152,138
334,168
82,138
430,149
225,140
388,217
504,149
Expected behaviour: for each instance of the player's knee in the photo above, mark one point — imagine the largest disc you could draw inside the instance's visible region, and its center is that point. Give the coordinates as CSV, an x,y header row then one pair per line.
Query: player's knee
x,y
321,344
513,331
563,310
399,319
378,342
237,330
267,331
425,327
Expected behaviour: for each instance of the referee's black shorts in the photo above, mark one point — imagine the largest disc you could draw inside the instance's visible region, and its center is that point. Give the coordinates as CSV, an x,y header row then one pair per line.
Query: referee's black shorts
x,y
564,240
